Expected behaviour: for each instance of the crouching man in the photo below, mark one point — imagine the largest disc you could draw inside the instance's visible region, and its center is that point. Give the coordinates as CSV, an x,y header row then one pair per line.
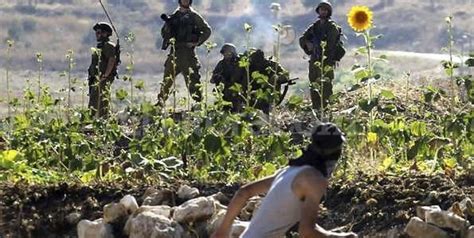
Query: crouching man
x,y
293,194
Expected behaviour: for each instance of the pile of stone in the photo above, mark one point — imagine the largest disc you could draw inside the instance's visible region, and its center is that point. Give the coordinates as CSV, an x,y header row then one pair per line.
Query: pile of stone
x,y
433,222
198,216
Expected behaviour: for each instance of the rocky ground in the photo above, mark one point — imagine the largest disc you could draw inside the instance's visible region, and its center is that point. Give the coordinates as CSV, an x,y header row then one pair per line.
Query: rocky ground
x,y
371,206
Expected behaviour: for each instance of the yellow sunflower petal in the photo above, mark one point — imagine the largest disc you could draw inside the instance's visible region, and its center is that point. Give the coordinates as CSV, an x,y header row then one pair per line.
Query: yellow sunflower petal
x,y
360,18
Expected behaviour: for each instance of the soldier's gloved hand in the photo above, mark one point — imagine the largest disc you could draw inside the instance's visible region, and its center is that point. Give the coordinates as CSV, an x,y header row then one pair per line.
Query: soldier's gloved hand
x,y
191,44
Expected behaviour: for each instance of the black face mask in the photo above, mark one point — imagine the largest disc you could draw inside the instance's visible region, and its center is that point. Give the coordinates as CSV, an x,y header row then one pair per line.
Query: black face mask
x,y
324,163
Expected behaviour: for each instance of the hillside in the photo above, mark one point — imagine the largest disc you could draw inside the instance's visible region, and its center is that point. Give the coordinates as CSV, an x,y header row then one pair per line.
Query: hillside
x,y
55,26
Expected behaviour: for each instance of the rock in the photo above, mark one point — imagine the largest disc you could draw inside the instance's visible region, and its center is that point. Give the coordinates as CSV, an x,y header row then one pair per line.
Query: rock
x,y
163,210
155,197
238,228
94,229
151,225
445,219
220,197
130,203
73,218
114,212
215,221
422,210
470,232
185,192
417,228
194,210
250,208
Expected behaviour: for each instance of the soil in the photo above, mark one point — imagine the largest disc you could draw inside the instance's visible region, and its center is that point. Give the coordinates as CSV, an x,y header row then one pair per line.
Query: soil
x,y
367,205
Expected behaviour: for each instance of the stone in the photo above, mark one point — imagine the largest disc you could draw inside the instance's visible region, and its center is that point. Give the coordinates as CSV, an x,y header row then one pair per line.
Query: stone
x,y
73,218
215,221
155,197
150,225
220,197
114,212
130,203
197,209
422,210
445,219
94,229
163,210
185,192
417,228
250,208
470,232
238,228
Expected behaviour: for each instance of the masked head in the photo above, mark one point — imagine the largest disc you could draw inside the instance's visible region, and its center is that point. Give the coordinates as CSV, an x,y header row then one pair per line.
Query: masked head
x,y
185,3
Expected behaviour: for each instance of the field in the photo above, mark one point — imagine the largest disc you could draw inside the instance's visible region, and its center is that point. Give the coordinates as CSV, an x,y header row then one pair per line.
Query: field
x,y
405,107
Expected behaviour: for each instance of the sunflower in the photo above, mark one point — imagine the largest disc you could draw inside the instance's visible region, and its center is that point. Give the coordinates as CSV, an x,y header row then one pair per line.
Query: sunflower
x,y
360,18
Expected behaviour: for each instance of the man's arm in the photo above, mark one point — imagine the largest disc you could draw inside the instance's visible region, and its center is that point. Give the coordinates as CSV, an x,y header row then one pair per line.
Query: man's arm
x,y
238,202
203,28
305,42
310,186
333,35
109,52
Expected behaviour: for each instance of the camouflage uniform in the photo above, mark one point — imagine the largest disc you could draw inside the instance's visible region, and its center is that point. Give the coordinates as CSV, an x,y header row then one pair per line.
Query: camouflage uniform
x,y
228,73
265,94
321,31
185,27
99,89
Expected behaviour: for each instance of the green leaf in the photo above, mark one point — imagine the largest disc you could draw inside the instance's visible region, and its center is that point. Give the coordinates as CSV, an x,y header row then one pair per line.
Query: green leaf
x,y
450,163
361,73
8,158
121,94
212,143
372,137
388,94
387,163
140,85
172,162
367,105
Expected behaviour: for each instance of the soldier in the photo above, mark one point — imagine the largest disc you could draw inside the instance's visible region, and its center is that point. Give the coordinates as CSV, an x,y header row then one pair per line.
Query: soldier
x,y
102,71
325,30
189,30
228,73
265,93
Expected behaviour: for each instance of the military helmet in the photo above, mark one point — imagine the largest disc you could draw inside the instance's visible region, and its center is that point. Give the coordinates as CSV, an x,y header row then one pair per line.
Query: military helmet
x,y
228,47
327,139
104,26
190,2
325,3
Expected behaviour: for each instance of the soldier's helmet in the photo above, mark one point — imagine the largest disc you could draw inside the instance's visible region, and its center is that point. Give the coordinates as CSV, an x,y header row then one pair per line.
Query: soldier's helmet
x,y
228,47
190,2
103,26
326,4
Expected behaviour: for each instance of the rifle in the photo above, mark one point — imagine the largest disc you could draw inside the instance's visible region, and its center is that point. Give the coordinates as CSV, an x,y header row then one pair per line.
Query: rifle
x,y
117,46
287,83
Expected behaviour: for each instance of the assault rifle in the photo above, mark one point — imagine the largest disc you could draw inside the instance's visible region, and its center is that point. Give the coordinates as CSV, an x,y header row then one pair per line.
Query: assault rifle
x,y
287,83
117,46
169,31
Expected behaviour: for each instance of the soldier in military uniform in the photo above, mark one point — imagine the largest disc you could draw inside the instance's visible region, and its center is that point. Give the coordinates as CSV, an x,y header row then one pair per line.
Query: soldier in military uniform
x,y
228,73
265,91
189,30
102,71
324,29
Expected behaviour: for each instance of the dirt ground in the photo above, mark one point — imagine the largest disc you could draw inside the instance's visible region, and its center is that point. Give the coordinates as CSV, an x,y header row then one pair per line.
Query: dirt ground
x,y
368,205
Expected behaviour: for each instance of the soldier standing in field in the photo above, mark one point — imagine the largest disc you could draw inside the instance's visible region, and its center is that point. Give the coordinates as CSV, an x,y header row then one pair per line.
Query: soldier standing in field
x,y
228,73
189,30
102,71
323,30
